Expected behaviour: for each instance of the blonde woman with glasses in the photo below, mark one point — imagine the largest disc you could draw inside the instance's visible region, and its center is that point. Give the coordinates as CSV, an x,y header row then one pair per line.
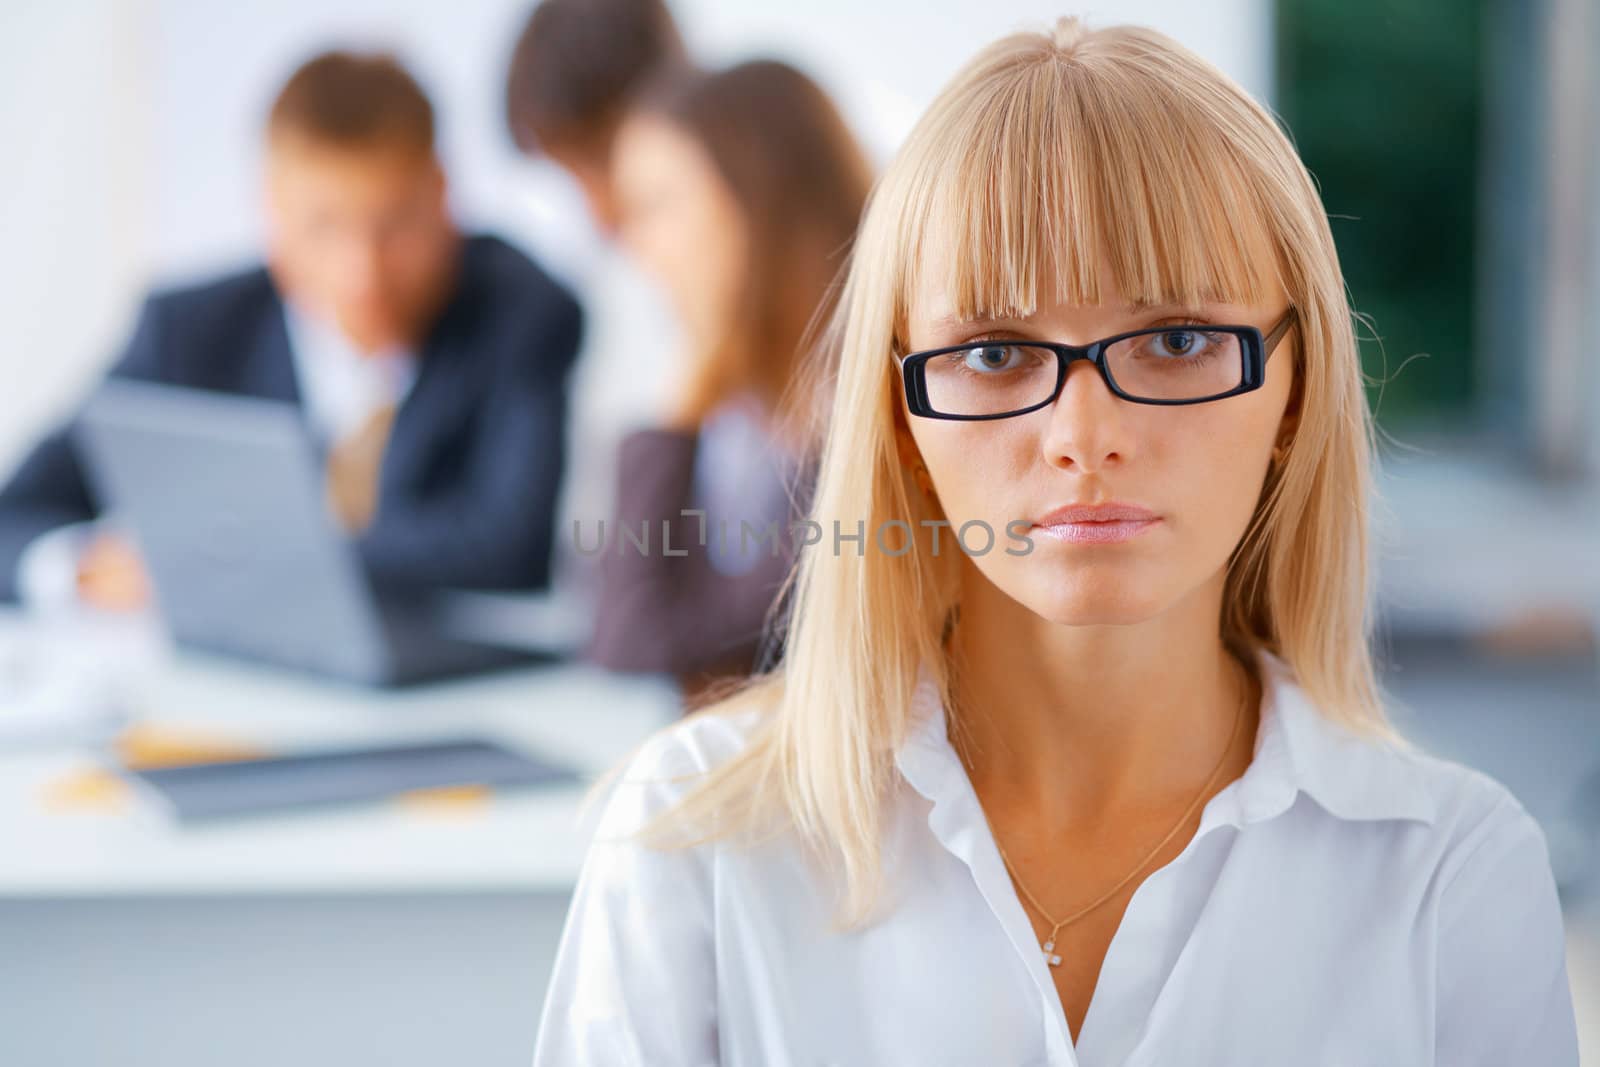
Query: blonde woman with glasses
x,y
1077,755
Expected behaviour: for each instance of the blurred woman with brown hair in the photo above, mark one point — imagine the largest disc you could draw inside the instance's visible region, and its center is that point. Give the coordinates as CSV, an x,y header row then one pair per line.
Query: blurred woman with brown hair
x,y
739,191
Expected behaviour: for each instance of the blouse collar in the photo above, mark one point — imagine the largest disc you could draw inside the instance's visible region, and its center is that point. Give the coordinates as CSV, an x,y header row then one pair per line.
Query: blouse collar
x,y
1298,749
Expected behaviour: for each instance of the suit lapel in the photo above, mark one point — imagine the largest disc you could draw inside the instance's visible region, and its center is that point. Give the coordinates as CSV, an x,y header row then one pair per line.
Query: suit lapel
x,y
445,393
441,400
266,366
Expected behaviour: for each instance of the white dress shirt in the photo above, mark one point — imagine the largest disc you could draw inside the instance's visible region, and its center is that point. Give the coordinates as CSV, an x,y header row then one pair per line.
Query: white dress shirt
x,y
1342,903
341,386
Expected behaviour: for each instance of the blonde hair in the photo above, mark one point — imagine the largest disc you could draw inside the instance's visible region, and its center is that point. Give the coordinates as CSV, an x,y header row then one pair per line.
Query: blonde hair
x,y
1043,149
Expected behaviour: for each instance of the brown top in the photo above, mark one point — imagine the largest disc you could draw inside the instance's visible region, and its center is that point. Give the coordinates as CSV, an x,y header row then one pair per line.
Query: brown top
x,y
680,614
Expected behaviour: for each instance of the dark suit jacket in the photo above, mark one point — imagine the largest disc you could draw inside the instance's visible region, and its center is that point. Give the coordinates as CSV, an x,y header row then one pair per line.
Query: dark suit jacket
x,y
469,482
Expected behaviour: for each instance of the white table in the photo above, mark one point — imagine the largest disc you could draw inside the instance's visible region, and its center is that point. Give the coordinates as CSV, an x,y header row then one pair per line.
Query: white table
x,y
389,933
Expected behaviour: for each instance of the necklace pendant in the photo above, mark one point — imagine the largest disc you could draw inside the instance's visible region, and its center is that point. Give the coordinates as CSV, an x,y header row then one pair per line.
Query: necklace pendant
x,y
1050,956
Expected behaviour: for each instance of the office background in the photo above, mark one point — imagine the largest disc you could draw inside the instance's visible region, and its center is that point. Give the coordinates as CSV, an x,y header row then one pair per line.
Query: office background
x,y
138,159
1457,145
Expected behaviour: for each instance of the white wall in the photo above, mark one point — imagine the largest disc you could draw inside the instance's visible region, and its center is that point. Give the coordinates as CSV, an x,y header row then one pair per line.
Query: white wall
x,y
75,220
135,124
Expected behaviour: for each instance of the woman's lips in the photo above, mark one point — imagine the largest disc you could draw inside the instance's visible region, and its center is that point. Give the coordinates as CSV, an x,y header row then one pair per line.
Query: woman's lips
x,y
1097,533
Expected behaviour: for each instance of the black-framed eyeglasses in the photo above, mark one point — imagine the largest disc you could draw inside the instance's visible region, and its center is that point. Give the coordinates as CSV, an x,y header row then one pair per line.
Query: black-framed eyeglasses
x,y
1184,363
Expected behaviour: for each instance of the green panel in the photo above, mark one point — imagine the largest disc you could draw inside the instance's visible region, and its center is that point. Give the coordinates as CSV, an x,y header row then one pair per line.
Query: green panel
x,y
1382,97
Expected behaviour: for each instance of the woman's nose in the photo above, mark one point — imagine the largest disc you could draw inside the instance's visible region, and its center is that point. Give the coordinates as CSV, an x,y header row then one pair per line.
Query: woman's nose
x,y
1086,423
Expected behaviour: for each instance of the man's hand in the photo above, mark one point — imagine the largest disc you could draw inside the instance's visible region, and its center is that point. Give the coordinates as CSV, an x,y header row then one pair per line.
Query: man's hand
x,y
111,576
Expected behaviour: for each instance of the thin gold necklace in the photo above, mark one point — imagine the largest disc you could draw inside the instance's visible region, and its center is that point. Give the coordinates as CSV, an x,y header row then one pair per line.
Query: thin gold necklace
x,y
1049,945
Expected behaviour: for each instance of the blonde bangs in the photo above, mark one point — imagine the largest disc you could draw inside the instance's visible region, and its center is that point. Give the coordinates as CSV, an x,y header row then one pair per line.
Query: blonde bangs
x,y
1078,171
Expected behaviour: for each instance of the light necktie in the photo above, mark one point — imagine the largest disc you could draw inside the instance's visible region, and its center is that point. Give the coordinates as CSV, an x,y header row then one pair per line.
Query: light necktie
x,y
354,464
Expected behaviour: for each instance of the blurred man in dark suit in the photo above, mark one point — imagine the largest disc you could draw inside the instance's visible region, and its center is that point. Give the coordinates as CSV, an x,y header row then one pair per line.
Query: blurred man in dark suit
x,y
431,366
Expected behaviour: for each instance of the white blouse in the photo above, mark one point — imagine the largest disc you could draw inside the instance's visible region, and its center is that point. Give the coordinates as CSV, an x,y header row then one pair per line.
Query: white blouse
x,y
1342,903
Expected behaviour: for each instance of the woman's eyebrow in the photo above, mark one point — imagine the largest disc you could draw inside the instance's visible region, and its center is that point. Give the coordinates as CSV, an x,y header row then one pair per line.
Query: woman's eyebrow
x,y
1141,308
953,321
1133,307
1207,298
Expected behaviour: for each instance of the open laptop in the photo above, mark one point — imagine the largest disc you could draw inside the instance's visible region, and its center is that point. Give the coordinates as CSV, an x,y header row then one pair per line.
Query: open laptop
x,y
224,495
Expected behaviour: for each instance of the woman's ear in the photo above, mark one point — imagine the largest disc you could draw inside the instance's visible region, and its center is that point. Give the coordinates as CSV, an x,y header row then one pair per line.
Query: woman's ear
x,y
911,458
905,446
1289,424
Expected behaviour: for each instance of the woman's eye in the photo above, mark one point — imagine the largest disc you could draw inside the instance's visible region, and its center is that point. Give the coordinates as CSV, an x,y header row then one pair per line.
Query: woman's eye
x,y
1181,343
986,358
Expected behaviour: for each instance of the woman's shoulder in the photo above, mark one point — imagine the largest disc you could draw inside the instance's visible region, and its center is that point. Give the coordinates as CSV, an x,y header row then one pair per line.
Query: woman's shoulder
x,y
696,743
1386,779
1467,837
673,761
1496,923
1469,809
1452,837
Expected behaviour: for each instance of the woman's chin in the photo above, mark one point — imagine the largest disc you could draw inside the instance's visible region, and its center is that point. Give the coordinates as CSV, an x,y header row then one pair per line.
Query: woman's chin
x,y
1088,601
